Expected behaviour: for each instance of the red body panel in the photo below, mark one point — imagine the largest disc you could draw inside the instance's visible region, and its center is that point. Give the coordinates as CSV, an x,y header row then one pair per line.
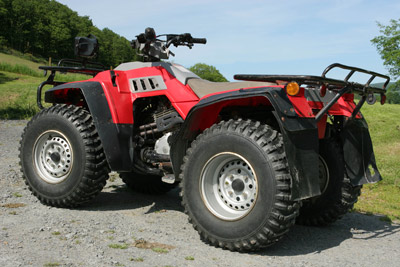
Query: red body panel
x,y
183,99
121,98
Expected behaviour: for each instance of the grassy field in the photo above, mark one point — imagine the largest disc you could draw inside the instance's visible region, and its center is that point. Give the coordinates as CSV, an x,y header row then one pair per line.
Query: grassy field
x,y
19,79
18,60
18,95
383,197
18,101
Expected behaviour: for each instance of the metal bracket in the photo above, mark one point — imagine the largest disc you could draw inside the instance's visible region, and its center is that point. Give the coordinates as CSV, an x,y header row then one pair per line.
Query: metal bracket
x,y
50,80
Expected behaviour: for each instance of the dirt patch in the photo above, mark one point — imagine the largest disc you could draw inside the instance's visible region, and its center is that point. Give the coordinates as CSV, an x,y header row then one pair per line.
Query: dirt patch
x,y
13,205
141,243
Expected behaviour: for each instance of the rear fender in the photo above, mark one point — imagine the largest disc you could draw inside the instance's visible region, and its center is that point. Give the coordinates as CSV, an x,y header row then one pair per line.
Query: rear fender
x,y
359,154
300,134
116,138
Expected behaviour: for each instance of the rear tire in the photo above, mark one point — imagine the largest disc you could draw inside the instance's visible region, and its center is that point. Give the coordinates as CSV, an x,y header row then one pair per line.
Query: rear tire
x,y
62,158
338,194
236,186
146,183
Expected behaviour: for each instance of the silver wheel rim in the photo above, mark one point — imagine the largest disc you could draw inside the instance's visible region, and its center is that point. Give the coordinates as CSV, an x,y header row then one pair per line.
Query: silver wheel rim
x,y
53,157
323,175
228,186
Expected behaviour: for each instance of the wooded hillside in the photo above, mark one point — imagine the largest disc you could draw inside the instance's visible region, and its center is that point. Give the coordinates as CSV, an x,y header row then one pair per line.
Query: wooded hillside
x,y
46,28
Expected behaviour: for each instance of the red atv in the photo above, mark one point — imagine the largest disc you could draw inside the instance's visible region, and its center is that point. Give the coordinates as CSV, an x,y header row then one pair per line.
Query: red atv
x,y
251,157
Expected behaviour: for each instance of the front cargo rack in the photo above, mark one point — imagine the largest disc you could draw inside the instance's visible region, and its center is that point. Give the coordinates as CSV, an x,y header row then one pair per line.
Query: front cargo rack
x,y
67,66
340,86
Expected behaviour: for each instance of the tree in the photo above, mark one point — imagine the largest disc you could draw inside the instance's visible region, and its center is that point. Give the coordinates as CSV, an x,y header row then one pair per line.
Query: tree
x,y
47,28
208,72
388,46
393,93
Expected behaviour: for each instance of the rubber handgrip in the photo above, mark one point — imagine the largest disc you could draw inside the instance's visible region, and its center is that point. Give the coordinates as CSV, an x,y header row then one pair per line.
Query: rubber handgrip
x,y
199,40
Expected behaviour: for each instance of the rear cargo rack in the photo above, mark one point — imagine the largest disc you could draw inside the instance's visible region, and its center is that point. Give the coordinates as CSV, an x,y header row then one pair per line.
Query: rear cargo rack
x,y
67,66
340,86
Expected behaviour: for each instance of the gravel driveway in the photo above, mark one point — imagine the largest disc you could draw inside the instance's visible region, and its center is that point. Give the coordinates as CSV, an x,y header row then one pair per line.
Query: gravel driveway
x,y
123,228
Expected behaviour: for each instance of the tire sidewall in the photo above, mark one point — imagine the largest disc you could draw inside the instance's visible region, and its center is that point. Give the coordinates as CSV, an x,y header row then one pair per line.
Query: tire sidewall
x,y
260,212
53,122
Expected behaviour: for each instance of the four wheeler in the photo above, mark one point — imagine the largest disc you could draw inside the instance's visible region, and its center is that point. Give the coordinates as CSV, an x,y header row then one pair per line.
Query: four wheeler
x,y
251,157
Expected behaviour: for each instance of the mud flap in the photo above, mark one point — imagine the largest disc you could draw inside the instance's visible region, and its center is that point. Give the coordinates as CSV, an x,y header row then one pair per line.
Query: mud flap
x,y
359,154
301,146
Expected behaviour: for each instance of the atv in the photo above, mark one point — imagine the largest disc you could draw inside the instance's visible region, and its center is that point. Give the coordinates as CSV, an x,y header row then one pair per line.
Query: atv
x,y
251,158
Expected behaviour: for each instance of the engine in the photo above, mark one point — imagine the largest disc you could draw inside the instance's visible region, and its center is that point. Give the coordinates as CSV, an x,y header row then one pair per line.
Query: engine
x,y
158,120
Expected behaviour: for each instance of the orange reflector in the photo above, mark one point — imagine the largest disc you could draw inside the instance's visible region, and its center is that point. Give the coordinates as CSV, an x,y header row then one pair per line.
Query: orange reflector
x,y
292,88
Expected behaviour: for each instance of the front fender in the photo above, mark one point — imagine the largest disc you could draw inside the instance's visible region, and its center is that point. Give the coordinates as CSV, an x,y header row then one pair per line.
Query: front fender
x,y
116,138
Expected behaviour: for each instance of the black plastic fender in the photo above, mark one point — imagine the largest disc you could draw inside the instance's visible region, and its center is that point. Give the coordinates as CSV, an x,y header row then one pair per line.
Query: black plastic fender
x,y
115,138
300,138
358,153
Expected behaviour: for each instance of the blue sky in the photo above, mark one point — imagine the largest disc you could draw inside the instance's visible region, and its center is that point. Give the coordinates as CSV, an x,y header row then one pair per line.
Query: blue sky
x,y
251,36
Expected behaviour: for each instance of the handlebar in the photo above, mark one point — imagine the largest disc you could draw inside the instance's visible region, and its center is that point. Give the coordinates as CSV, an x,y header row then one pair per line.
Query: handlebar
x,y
153,48
184,39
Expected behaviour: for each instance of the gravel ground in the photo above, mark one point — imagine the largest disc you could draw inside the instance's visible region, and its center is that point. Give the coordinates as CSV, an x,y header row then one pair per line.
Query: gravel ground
x,y
123,228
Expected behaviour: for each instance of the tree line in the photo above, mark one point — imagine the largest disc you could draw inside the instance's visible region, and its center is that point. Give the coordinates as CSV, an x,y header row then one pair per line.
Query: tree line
x,y
46,28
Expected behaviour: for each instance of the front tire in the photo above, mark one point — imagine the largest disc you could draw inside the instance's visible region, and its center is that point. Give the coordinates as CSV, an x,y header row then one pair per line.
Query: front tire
x,y
236,186
62,158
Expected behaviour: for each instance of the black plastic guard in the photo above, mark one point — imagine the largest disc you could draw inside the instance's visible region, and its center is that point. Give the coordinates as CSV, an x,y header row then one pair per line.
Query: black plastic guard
x,y
115,138
359,154
300,137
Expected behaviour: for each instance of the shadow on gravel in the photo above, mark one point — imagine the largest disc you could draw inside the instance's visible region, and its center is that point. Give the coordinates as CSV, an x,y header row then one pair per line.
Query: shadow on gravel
x,y
122,198
300,240
303,240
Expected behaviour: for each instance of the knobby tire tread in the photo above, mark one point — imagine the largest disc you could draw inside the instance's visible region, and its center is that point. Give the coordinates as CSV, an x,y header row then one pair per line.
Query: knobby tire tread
x,y
284,212
96,167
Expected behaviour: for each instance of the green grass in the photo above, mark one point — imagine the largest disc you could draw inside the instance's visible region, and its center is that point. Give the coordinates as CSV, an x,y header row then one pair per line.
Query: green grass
x,y
18,95
140,259
20,59
19,80
20,69
160,250
383,197
118,246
